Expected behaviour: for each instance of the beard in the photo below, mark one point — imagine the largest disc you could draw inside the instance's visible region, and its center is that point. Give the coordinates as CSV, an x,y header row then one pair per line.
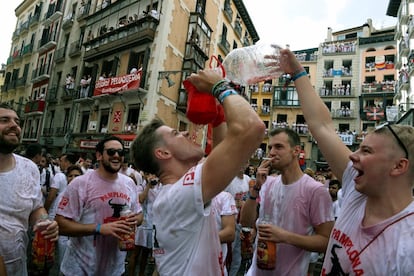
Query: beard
x,y
7,147
107,166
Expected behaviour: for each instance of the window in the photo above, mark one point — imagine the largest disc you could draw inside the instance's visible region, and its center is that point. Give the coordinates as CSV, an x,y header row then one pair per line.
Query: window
x,y
133,116
343,128
66,119
366,126
182,126
52,118
370,79
136,60
281,118
84,121
103,120
235,45
328,105
300,119
388,77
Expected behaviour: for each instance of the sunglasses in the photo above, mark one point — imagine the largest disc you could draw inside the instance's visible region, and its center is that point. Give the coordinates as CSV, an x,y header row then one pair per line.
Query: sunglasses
x,y
111,152
400,143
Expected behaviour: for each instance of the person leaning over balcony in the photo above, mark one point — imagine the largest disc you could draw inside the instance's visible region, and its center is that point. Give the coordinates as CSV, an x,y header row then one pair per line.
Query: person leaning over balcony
x,y
186,240
373,235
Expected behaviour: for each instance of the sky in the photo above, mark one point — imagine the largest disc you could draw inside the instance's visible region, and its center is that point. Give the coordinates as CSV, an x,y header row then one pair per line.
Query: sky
x,y
301,24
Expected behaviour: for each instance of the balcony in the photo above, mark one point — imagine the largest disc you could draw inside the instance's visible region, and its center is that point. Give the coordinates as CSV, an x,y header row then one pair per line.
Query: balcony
x,y
224,45
265,110
24,28
48,132
34,20
69,94
41,73
21,82
337,92
238,28
27,49
83,11
47,43
335,48
51,96
138,32
67,21
16,34
75,49
403,13
404,48
388,87
37,106
60,55
343,113
54,12
228,12
29,136
9,60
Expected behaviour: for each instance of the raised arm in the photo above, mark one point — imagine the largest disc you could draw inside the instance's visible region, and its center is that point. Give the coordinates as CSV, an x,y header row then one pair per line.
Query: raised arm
x,y
244,133
317,116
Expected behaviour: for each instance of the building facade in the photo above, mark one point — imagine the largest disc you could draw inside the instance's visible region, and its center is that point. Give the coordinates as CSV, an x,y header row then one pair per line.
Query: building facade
x,y
403,10
104,67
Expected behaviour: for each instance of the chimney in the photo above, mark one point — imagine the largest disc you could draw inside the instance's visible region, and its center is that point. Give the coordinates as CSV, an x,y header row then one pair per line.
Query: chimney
x,y
329,35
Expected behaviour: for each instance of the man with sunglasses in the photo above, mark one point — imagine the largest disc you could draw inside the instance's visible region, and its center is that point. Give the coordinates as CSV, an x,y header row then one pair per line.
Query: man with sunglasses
x,y
186,236
373,234
89,212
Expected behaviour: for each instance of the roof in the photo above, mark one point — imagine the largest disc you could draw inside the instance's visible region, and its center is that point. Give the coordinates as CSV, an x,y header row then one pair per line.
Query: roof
x,y
241,8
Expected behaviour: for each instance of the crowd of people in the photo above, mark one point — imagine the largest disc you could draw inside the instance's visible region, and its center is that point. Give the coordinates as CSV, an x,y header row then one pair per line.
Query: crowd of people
x,y
176,211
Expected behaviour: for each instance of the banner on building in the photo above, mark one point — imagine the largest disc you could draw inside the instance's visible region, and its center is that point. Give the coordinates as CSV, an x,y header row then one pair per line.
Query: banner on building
x,y
375,114
392,113
118,84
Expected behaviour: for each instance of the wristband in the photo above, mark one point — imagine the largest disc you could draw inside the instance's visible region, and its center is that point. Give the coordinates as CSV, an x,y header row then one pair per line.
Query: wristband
x,y
216,87
299,75
225,94
96,233
251,197
98,229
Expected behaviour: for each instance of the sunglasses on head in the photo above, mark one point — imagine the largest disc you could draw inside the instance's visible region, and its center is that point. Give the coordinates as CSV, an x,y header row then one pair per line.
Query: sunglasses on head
x,y
400,143
111,152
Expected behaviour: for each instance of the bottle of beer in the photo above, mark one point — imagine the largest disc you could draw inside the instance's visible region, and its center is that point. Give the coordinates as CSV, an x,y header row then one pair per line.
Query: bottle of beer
x,y
127,241
266,250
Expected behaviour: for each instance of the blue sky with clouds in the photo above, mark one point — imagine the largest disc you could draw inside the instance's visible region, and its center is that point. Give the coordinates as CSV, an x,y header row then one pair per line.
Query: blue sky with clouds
x,y
300,23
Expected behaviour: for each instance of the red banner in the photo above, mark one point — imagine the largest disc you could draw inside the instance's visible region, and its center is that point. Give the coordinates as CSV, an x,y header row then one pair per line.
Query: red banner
x,y
118,84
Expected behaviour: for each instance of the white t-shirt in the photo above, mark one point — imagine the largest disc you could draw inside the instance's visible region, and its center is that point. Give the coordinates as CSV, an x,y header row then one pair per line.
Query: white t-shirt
x,y
186,240
223,204
391,253
92,199
296,207
143,235
20,196
238,188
